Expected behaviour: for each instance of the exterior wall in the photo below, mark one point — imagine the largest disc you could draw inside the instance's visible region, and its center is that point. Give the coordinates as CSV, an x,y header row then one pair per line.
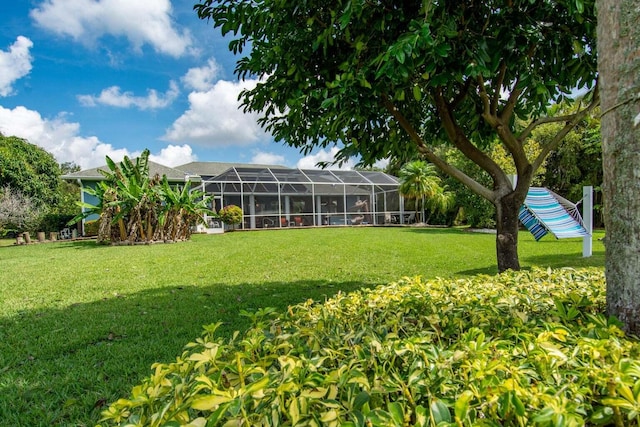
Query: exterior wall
x,y
90,199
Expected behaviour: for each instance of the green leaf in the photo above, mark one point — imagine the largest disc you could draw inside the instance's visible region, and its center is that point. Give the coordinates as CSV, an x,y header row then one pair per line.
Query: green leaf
x,y
362,398
443,50
208,403
417,93
258,385
518,406
397,412
439,411
422,416
461,407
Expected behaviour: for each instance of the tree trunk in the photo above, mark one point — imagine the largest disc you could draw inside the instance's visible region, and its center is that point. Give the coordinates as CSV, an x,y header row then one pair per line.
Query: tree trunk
x,y
619,74
507,222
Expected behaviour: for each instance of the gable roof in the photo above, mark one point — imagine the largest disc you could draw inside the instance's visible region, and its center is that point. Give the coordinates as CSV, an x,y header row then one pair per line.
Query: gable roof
x,y
173,174
211,169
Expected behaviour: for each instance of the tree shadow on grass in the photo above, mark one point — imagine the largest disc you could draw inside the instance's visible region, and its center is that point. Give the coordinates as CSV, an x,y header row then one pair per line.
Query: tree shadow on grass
x,y
440,231
555,260
63,366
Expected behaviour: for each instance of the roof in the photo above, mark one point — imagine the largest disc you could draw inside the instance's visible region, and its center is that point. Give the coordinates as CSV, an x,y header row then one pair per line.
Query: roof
x,y
211,169
172,174
254,174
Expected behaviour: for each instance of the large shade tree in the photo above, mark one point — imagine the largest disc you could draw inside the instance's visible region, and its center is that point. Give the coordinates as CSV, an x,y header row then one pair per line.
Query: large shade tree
x,y
29,170
384,78
619,67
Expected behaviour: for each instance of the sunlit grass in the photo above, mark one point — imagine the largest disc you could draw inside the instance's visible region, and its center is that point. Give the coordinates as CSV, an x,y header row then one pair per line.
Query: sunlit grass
x,y
80,324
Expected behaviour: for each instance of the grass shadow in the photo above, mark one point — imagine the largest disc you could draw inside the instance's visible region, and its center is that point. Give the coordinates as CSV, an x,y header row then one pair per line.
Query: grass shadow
x,y
62,366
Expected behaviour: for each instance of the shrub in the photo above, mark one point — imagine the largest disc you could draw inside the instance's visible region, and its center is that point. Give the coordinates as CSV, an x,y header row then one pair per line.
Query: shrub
x,y
230,215
54,222
91,228
521,348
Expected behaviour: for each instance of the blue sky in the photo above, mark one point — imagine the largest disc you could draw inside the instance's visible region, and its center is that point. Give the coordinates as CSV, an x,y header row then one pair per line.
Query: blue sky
x,y
88,78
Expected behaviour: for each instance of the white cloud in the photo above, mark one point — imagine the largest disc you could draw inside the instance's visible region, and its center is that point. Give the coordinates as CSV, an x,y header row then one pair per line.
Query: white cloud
x,y
174,155
114,97
62,139
202,78
381,164
140,21
264,158
311,161
214,118
14,64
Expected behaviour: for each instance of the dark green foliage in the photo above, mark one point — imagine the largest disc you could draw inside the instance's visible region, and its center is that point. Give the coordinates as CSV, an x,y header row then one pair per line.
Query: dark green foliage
x,y
526,348
91,228
29,169
330,65
53,222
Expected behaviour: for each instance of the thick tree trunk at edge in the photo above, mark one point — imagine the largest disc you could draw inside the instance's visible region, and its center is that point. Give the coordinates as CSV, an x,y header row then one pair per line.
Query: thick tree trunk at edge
x,y
507,233
619,73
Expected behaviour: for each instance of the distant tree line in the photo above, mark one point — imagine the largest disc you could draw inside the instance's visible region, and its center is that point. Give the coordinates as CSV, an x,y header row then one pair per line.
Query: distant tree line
x,y
32,195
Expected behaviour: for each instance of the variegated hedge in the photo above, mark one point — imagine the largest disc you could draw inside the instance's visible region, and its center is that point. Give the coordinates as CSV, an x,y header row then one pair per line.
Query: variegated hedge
x,y
522,348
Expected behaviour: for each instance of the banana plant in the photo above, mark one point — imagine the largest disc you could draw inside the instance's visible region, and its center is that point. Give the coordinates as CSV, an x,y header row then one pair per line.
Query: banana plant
x,y
145,208
181,208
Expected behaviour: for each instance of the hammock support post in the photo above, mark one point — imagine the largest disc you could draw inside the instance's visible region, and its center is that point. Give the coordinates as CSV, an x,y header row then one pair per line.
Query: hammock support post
x,y
587,218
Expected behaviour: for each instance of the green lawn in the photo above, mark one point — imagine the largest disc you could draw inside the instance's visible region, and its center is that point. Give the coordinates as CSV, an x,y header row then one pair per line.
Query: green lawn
x,y
80,324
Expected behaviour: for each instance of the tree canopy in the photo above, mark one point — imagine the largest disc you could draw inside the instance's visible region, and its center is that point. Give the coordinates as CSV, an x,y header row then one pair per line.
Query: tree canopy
x,y
29,169
387,78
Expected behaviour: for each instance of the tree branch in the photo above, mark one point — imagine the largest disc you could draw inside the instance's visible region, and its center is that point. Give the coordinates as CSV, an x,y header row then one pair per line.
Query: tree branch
x,y
509,107
484,97
460,140
431,156
496,88
462,94
512,145
574,120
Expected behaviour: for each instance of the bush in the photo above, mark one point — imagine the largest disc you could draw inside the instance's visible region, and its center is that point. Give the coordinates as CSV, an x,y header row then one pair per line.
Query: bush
x,y
54,222
230,215
521,348
91,228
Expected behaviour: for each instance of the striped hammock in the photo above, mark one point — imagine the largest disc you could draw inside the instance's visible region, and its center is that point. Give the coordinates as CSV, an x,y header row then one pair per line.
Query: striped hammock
x,y
545,212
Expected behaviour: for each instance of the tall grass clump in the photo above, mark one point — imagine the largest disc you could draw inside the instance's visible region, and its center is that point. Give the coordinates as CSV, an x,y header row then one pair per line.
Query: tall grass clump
x,y
521,348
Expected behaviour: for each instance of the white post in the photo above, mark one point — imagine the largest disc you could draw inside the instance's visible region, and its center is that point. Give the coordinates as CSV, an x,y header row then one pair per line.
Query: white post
x,y
587,218
252,211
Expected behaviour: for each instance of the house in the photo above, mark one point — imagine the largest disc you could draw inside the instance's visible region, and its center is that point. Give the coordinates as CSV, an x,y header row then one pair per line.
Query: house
x,y
277,196
89,177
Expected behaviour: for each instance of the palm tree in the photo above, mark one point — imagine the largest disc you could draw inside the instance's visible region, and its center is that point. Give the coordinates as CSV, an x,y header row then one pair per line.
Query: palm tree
x,y
442,201
418,180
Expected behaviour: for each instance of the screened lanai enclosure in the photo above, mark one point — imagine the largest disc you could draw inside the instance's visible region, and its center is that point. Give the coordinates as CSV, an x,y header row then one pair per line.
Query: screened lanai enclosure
x,y
283,197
